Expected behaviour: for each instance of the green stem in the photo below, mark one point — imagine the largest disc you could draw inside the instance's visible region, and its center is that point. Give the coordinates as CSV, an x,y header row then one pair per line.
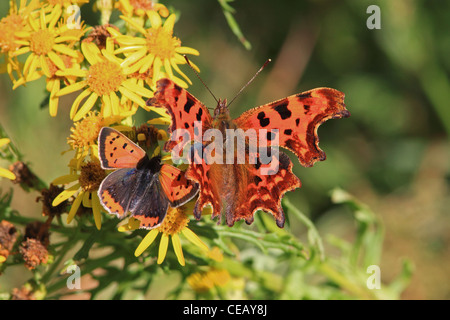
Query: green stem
x,y
343,282
313,235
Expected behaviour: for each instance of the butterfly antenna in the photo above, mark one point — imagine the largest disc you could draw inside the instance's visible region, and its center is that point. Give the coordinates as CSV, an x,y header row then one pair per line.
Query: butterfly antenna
x,y
198,76
250,81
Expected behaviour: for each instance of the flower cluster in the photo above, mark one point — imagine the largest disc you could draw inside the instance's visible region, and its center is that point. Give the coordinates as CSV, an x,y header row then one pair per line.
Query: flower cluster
x,y
109,71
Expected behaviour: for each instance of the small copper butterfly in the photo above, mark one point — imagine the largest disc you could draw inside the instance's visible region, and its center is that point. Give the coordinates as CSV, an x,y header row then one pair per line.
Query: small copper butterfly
x,y
140,185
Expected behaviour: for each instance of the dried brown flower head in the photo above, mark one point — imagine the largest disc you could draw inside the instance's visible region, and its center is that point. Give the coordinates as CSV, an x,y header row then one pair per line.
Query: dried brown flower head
x,y
47,197
99,34
33,252
8,236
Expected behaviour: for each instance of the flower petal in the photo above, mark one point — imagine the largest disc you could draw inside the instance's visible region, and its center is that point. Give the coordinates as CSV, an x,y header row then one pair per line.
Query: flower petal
x,y
75,205
72,88
133,97
77,102
134,24
146,242
66,179
192,237
131,225
177,248
187,50
65,50
7,174
137,89
86,107
4,141
162,248
56,60
155,19
169,23
91,52
66,194
134,57
96,207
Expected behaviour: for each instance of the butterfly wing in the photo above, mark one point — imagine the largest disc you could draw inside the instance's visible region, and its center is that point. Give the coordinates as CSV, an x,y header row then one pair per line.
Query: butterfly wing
x,y
297,118
177,188
116,191
136,191
265,191
209,177
149,204
239,190
183,108
117,151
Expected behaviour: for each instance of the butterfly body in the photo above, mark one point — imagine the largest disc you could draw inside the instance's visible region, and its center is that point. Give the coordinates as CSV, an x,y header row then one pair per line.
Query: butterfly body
x,y
140,185
239,189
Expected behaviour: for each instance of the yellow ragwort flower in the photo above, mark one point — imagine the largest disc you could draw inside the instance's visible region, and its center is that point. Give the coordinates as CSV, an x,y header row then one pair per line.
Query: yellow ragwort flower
x,y
107,79
5,173
157,51
174,223
14,22
44,40
83,138
84,185
205,281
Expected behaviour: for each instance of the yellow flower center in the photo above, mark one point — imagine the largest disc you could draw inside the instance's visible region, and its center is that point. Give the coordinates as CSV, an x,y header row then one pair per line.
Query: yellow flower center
x,y
175,221
161,42
105,77
42,42
91,176
9,25
85,132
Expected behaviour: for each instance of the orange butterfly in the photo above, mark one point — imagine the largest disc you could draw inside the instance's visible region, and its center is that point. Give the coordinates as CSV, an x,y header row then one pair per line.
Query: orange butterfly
x,y
237,189
140,185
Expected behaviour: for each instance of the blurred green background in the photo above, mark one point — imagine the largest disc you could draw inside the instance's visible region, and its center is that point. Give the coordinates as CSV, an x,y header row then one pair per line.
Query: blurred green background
x,y
392,153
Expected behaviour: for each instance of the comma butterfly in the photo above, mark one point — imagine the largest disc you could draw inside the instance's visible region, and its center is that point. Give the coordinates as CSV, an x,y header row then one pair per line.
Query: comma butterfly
x,y
140,185
239,190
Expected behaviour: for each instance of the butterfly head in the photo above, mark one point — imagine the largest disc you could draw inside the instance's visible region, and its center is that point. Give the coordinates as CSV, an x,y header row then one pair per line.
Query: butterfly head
x,y
222,109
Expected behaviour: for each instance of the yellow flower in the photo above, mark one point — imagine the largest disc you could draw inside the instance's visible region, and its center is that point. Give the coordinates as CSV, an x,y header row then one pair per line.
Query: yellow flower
x,y
9,26
44,40
5,172
158,50
174,223
105,79
83,138
141,8
84,185
205,281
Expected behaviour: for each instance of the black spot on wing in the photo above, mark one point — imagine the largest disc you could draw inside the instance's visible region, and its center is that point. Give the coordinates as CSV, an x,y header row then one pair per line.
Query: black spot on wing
x,y
177,88
282,109
257,180
188,105
306,107
263,121
199,114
